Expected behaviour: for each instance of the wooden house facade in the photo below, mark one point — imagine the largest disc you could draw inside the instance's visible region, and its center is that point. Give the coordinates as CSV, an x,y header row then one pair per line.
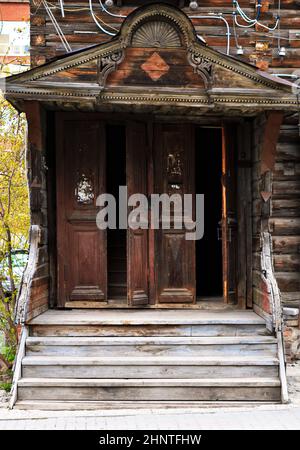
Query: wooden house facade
x,y
119,315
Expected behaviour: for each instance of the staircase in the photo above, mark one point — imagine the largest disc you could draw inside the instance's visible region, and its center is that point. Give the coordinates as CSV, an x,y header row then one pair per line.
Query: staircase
x,y
129,358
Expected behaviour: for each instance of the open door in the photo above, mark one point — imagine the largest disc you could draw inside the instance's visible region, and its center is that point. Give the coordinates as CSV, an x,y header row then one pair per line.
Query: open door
x,y
229,216
174,173
82,268
137,240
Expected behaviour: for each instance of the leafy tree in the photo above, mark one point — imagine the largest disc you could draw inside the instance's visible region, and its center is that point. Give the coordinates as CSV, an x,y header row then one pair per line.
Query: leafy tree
x,y
14,220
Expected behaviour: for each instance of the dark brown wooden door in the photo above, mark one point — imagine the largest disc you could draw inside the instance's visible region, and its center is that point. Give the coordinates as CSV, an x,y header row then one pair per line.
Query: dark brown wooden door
x,y
174,173
137,240
229,217
82,265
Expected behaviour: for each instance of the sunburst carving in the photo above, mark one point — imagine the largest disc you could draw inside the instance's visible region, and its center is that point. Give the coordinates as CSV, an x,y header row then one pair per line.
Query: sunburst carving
x,y
157,34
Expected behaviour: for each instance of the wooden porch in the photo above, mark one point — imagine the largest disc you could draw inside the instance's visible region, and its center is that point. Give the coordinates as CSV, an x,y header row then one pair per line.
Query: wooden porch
x,y
87,359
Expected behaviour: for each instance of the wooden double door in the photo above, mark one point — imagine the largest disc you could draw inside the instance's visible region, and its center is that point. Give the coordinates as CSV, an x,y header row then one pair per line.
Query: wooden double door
x,y
160,264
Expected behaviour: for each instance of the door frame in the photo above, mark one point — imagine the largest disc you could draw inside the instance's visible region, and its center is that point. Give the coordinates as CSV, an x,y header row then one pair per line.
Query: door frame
x,y
244,191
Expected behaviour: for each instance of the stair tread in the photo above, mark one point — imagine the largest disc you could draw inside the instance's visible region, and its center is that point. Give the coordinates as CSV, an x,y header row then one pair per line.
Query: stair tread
x,y
148,382
156,340
148,317
148,360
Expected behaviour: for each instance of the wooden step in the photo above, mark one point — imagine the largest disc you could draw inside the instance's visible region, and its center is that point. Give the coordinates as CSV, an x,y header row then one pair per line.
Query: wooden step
x,y
147,323
164,340
140,346
225,389
147,317
148,367
147,330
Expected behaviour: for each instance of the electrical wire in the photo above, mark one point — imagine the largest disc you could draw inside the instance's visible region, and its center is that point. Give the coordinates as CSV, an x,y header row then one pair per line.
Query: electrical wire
x,y
220,17
110,13
244,15
279,11
97,22
252,22
57,27
256,23
62,8
235,35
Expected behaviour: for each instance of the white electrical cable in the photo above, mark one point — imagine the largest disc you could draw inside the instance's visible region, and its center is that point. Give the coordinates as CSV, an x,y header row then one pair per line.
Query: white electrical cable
x,y
279,28
258,23
97,22
62,8
235,35
218,16
104,8
252,22
57,27
244,15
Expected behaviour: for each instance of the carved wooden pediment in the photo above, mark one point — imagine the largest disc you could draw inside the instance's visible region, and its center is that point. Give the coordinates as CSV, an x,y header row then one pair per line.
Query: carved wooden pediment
x,y
156,57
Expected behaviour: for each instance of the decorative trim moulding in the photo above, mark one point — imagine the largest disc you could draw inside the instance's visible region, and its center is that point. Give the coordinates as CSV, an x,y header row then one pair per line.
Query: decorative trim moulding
x,y
197,100
213,100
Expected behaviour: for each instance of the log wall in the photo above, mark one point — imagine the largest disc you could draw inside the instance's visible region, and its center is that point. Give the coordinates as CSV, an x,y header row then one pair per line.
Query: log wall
x,y
285,229
260,47
276,209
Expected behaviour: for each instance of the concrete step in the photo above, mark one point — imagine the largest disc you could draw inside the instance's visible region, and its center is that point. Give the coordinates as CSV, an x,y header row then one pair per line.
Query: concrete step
x,y
140,346
52,405
148,367
225,389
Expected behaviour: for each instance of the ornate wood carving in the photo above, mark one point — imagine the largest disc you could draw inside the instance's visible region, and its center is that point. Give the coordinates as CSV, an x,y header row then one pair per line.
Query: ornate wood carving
x,y
202,67
156,33
107,64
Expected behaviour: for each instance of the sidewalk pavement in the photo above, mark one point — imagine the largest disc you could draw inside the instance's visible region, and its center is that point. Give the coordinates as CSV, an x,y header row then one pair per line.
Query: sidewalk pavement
x,y
266,417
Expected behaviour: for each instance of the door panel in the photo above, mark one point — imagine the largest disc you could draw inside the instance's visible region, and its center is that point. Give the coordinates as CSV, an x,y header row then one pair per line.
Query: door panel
x,y
80,180
174,174
137,240
229,219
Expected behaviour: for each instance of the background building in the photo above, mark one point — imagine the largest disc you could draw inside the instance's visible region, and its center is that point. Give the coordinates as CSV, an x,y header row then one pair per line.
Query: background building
x,y
14,36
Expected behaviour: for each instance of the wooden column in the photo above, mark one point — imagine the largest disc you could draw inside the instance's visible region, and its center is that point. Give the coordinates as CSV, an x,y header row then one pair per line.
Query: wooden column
x,y
35,146
244,213
37,301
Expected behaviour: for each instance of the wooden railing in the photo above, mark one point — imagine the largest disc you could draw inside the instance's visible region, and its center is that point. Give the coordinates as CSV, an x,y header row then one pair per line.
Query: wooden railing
x,y
25,287
267,272
22,306
268,275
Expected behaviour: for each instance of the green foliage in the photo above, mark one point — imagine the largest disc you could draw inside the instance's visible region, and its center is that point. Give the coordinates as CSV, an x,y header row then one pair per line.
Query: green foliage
x,y
14,220
5,387
9,354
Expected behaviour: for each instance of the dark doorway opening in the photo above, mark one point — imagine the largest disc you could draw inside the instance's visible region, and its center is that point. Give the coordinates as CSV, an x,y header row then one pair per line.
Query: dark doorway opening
x,y
209,266
116,239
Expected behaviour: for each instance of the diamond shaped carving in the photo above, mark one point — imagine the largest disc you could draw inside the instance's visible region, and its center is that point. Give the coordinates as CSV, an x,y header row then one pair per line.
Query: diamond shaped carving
x,y
155,67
